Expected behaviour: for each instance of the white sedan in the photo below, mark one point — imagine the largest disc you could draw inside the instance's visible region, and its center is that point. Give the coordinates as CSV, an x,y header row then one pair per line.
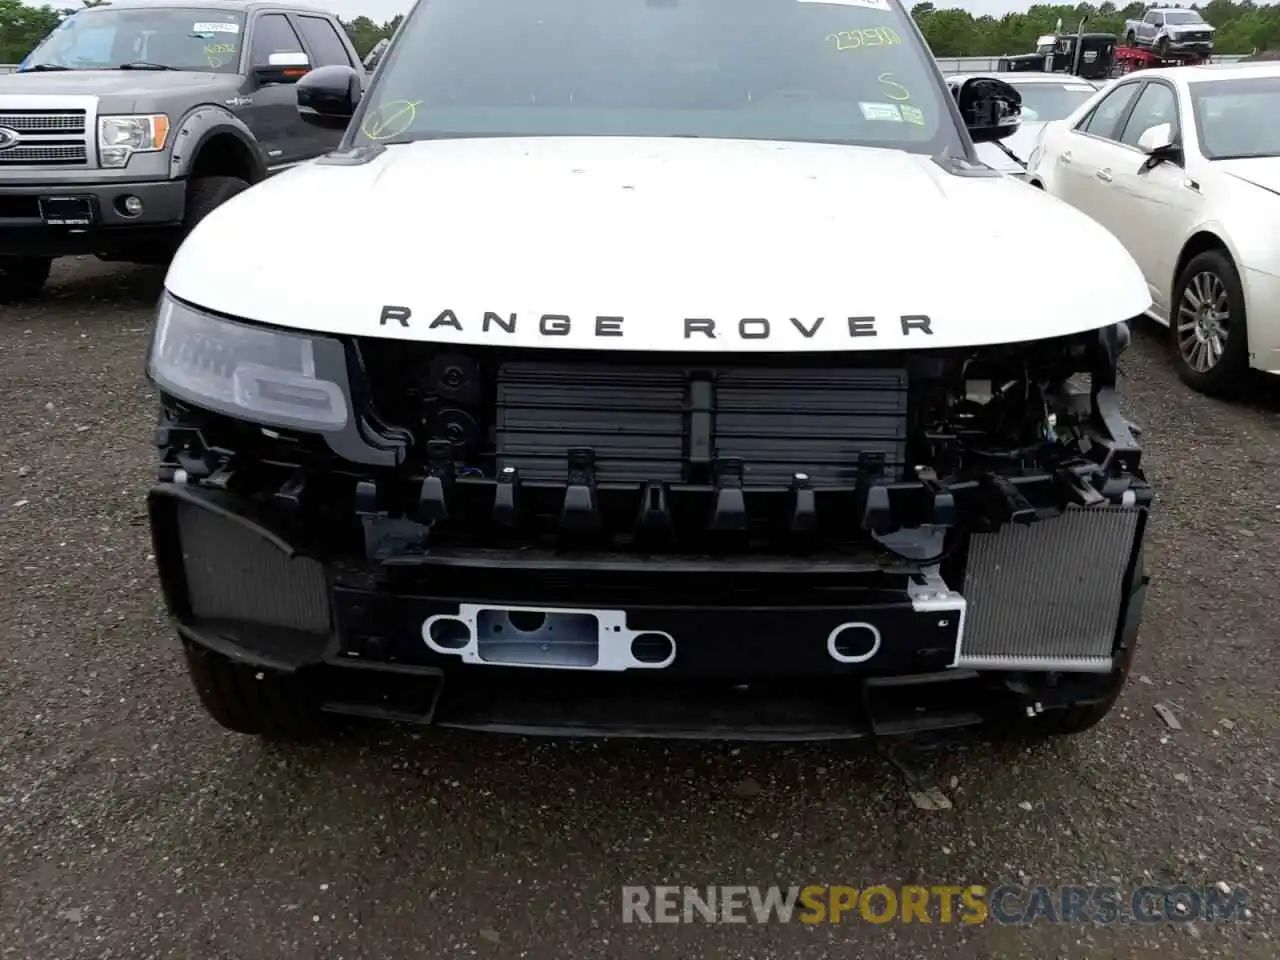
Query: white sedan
x,y
1045,97
1182,164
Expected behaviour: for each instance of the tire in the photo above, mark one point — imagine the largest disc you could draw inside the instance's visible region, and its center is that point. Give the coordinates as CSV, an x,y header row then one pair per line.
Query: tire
x,y
22,278
1074,720
258,702
205,194
1068,722
1207,282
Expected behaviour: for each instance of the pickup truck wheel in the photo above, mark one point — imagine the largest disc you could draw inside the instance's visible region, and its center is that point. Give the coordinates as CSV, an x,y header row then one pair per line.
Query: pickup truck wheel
x,y
204,194
1209,332
22,278
249,700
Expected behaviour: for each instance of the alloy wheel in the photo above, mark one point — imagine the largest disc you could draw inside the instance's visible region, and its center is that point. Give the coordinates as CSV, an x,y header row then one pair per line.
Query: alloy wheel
x,y
1204,317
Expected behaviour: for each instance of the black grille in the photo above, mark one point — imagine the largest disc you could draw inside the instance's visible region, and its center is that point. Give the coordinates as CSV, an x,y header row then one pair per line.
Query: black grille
x,y
670,424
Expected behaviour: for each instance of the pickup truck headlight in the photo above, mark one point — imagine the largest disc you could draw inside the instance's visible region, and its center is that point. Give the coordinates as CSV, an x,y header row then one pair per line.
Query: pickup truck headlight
x,y
249,372
120,137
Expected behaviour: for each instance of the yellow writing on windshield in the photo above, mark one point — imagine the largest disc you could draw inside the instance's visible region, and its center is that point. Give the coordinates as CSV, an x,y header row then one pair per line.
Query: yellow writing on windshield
x,y
895,90
870,37
390,119
219,54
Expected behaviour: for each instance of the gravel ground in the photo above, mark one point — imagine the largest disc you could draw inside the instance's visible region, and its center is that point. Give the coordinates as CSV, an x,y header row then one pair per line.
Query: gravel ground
x,y
132,826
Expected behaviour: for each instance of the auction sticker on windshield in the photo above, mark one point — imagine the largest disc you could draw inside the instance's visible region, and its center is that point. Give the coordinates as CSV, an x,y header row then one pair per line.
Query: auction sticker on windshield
x,y
214,27
881,111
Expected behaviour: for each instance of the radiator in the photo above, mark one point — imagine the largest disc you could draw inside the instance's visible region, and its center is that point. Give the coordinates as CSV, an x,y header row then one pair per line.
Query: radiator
x,y
1048,596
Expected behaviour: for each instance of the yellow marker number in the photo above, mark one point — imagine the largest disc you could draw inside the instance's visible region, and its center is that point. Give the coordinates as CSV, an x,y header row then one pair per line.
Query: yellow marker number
x,y
895,91
389,120
870,37
219,54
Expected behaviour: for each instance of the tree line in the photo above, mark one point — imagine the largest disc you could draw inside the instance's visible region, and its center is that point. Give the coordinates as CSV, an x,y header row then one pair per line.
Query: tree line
x,y
1243,26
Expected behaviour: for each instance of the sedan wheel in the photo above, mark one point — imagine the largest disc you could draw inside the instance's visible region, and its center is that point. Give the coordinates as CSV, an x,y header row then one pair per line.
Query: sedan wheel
x,y
1204,317
1209,324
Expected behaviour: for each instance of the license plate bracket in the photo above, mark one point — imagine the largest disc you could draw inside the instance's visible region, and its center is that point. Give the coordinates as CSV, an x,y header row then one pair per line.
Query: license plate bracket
x,y
547,637
67,211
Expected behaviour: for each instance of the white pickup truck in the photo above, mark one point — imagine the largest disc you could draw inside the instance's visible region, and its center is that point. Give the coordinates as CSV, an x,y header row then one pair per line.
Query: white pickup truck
x,y
1170,30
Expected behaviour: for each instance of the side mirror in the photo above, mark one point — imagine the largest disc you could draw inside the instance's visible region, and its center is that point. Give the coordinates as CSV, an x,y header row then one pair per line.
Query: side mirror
x,y
283,68
328,96
1157,143
991,108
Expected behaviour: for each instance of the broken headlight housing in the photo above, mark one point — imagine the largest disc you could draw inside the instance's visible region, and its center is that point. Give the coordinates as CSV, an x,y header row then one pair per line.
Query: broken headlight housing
x,y
250,372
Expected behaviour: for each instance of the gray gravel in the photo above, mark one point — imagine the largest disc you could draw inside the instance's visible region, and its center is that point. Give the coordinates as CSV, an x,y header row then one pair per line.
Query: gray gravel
x,y
132,826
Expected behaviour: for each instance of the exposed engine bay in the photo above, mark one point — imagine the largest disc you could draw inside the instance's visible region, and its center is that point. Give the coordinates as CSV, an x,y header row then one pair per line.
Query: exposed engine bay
x,y
958,531
670,454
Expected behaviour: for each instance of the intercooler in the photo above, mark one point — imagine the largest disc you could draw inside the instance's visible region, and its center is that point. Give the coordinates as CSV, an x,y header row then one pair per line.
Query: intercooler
x,y
669,423
1048,595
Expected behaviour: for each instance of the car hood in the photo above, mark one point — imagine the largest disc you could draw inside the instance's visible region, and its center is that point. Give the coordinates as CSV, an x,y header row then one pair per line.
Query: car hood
x,y
643,244
1261,172
1021,143
104,83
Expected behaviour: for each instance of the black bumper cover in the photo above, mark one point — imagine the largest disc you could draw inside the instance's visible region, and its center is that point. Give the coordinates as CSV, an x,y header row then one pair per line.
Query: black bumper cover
x,y
25,232
753,635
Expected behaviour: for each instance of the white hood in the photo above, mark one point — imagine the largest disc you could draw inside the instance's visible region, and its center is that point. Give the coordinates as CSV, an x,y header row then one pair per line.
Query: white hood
x,y
1262,172
641,243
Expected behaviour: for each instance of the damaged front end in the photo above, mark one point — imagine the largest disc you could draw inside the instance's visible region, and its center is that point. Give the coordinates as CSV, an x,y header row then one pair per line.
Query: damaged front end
x,y
763,546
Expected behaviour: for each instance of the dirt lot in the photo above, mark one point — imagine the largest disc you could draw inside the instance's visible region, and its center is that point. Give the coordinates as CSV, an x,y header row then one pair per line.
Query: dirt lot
x,y
132,826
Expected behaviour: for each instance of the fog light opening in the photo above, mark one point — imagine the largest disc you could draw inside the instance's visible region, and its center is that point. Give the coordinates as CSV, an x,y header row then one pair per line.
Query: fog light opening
x,y
128,205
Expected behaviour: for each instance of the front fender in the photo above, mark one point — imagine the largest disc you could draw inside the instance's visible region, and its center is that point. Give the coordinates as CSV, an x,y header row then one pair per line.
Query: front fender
x,y
202,124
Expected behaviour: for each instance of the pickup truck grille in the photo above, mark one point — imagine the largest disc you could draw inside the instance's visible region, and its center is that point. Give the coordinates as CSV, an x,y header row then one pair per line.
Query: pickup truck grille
x,y
46,138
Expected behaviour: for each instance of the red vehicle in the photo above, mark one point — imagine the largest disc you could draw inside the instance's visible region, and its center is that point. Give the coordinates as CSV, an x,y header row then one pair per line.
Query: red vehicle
x,y
1129,59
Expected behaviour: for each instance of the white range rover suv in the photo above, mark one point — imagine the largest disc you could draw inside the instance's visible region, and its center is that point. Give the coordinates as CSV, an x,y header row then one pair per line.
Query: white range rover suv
x,y
619,375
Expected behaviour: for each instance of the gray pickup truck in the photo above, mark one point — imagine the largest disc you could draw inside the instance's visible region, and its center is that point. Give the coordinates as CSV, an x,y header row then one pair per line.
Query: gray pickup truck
x,y
1169,31
130,122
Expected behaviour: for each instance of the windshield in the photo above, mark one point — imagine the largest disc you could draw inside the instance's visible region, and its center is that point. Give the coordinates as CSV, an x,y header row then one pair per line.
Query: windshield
x,y
1237,118
1183,18
179,38
844,71
1042,102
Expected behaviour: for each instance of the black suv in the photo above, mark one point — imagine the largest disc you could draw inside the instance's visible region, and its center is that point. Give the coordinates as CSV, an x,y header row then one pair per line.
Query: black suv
x,y
130,122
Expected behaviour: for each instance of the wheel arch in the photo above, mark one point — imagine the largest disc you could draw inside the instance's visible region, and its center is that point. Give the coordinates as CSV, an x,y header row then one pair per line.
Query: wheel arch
x,y
1199,242
213,141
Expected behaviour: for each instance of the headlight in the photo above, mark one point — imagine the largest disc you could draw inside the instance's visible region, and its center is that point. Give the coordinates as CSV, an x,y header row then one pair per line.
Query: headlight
x,y
252,373
119,138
